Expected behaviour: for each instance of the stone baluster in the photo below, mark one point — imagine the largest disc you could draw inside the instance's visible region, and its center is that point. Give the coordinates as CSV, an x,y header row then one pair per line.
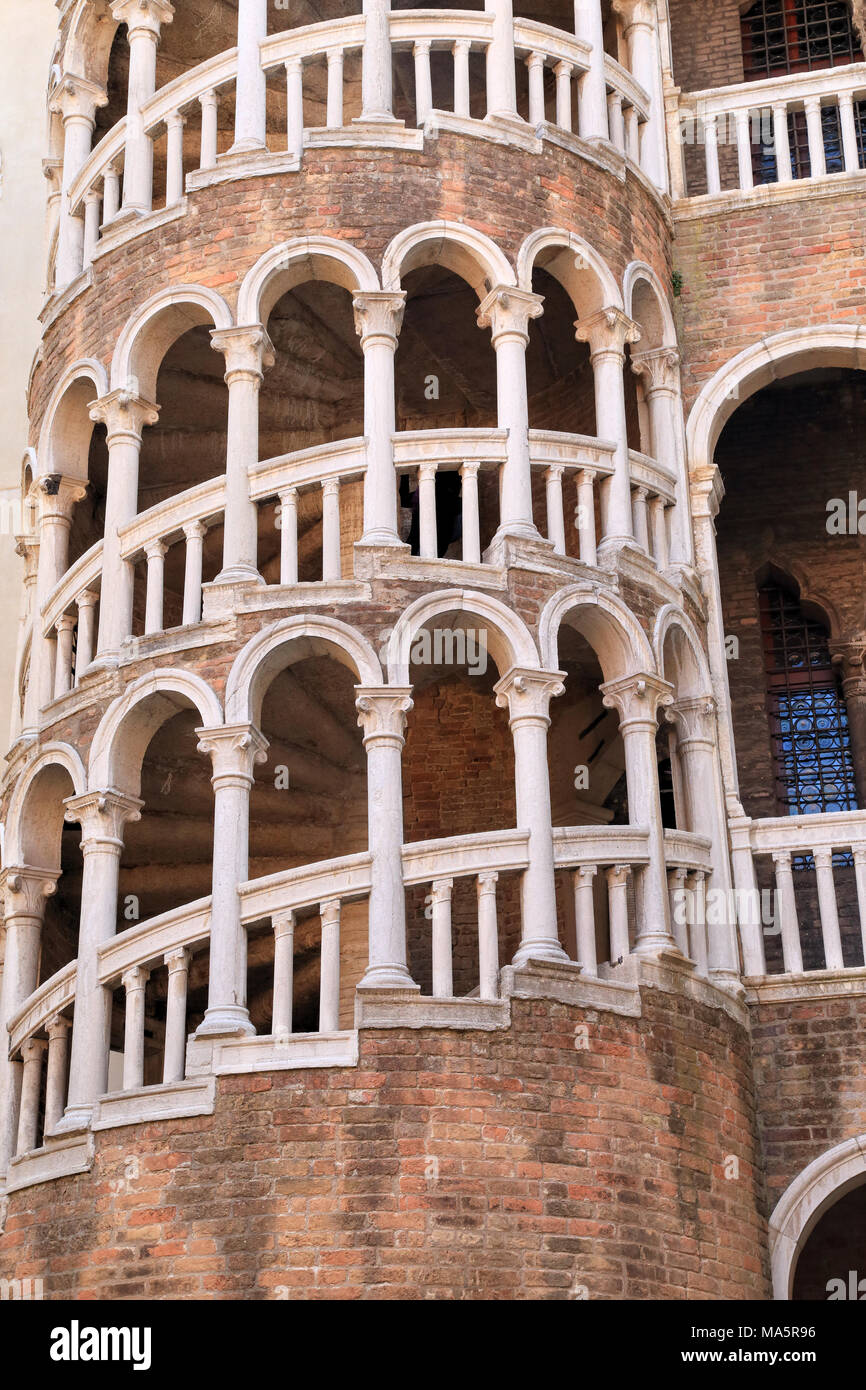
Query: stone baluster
x,y
443,982
143,20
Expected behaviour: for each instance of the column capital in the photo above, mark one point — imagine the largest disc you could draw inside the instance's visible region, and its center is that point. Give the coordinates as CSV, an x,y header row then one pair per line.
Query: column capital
x,y
25,890
659,367
77,97
694,719
155,549
637,698
486,882
707,491
88,599
195,530
102,815
618,875
234,750
379,315
138,15
507,312
607,331
33,1050
58,495
58,1027
633,12
177,960
850,659
124,414
526,694
823,858
247,351
382,712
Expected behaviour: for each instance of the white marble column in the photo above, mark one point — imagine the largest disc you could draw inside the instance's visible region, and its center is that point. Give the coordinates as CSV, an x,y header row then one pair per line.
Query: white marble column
x,y
64,627
174,1059
607,333
251,95
134,983
637,699
588,25
507,313
248,351
124,416
25,891
57,498
501,74
284,971
234,750
194,533
329,967
102,816
143,20
76,100
378,319
32,1057
640,21
86,632
660,370
382,712
376,80
526,695
56,1079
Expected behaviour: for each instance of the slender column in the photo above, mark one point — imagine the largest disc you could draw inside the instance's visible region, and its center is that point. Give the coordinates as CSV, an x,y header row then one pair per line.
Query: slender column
x,y
334,115
860,875
250,105
471,523
782,142
507,313
488,937
615,120
617,898
537,111
641,35
660,371
592,110
631,121
124,416
329,987
833,958
443,981
659,531
153,610
815,132
110,194
143,20
429,541
86,632
55,1083
382,716
637,699
526,695
289,535
65,627
501,75
376,79
174,159
791,950
744,149
57,498
563,72
461,50
194,534
248,351
584,915
378,319
32,1054
331,565
295,105
639,515
284,963
698,922
679,913
92,205
711,153
209,102
555,514
25,891
135,983
174,1060
76,100
607,333
423,83
586,516
102,816
234,750
850,146
747,897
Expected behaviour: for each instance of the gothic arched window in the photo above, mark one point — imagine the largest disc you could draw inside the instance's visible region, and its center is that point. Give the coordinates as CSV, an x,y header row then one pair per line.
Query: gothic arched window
x,y
812,763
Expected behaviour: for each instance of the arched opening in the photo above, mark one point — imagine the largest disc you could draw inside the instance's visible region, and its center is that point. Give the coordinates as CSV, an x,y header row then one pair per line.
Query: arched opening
x,y
831,1265
45,839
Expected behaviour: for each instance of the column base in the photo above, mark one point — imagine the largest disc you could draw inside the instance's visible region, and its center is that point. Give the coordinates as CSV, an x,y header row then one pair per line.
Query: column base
x,y
248,145
229,1021
239,574
546,950
656,944
387,977
729,981
382,537
74,1119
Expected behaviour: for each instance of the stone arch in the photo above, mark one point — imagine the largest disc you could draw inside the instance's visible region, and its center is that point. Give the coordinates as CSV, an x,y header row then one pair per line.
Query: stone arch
x,y
774,357
454,245
804,1202
155,326
582,272
88,45
264,656
788,571
296,262
130,722
512,644
36,807
64,438
645,301
677,643
610,628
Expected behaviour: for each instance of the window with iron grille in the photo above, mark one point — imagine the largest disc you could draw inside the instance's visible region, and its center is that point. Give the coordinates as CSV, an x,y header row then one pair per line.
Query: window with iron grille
x,y
812,764
783,36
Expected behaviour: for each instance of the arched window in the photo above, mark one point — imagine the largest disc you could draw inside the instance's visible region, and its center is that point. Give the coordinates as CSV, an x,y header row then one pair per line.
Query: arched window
x,y
789,36
812,762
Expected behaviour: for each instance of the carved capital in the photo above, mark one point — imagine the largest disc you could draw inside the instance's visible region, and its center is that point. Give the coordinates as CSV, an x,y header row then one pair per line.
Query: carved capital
x,y
507,313
379,316
607,332
77,98
527,694
382,712
143,15
247,351
102,815
234,750
58,495
25,891
693,719
659,369
637,699
124,414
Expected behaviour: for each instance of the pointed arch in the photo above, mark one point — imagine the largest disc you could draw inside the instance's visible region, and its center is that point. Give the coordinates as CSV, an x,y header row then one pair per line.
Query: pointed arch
x,y
155,326
296,262
296,639
456,246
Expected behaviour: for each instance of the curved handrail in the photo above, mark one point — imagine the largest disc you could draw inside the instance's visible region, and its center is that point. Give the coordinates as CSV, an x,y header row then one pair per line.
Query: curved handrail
x,y
86,571
200,503
440,26
50,999
532,36
574,845
619,79
649,473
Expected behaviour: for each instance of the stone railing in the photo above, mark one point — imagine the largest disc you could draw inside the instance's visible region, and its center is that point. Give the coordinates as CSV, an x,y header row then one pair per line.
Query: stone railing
x,y
761,120
803,845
